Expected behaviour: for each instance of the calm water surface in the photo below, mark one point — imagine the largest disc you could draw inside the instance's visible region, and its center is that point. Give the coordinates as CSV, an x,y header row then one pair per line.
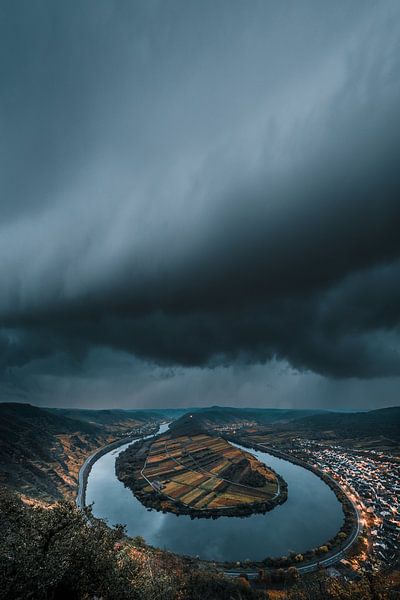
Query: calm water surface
x,y
309,517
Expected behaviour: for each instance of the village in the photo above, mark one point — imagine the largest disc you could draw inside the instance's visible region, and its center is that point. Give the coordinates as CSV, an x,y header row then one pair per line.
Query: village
x,y
372,481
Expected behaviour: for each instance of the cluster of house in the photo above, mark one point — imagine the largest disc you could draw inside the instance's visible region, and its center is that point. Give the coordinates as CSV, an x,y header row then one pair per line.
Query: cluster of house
x,y
372,479
233,428
157,486
142,429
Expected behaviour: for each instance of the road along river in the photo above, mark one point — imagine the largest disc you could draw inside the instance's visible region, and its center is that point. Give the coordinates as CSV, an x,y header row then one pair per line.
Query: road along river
x,y
310,516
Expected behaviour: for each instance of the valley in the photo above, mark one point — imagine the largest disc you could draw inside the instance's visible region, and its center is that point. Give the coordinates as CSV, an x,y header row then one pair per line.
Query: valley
x,y
334,476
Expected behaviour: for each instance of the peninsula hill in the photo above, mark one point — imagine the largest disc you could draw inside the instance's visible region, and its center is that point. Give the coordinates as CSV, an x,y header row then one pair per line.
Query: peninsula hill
x,y
200,475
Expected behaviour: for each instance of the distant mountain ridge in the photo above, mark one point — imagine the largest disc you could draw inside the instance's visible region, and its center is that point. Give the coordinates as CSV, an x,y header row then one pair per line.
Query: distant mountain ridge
x,y
13,413
224,415
382,421
107,417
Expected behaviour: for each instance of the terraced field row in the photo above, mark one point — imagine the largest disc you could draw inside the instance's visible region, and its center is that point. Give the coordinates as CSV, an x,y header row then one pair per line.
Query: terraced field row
x,y
205,472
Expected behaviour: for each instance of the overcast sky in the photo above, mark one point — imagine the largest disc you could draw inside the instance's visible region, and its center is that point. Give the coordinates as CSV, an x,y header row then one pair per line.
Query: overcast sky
x,y
200,203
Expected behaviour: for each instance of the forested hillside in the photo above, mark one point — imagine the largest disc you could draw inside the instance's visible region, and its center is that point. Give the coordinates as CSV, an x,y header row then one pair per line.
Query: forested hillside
x,y
384,422
42,450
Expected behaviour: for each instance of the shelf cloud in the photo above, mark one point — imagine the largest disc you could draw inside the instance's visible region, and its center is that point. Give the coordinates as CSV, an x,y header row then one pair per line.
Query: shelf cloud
x,y
199,187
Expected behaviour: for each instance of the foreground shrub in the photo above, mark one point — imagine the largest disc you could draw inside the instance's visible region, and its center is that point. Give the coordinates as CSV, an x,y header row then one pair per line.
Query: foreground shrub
x,y
57,554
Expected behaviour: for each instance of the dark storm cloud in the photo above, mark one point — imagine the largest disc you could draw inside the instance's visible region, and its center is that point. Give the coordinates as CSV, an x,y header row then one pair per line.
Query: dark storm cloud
x,y
201,184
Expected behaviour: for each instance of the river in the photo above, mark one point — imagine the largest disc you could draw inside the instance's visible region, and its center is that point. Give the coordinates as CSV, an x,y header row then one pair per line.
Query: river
x,y
310,516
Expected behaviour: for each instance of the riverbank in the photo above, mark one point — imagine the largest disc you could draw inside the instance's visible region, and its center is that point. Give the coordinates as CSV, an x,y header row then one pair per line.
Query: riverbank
x,y
200,476
330,552
185,537
85,469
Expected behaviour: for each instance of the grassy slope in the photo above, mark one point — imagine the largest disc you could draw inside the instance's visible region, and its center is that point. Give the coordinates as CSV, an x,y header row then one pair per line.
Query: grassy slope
x,y
41,450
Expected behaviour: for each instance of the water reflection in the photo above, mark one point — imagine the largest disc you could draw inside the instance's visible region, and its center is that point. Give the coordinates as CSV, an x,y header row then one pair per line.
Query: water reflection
x,y
309,517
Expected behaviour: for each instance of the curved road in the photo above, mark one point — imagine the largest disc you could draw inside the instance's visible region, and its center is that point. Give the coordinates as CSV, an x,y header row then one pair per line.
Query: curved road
x,y
87,465
80,502
80,496
327,562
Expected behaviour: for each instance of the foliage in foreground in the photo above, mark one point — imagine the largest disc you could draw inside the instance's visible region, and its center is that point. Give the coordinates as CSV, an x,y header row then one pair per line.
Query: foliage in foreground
x,y
323,587
56,554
